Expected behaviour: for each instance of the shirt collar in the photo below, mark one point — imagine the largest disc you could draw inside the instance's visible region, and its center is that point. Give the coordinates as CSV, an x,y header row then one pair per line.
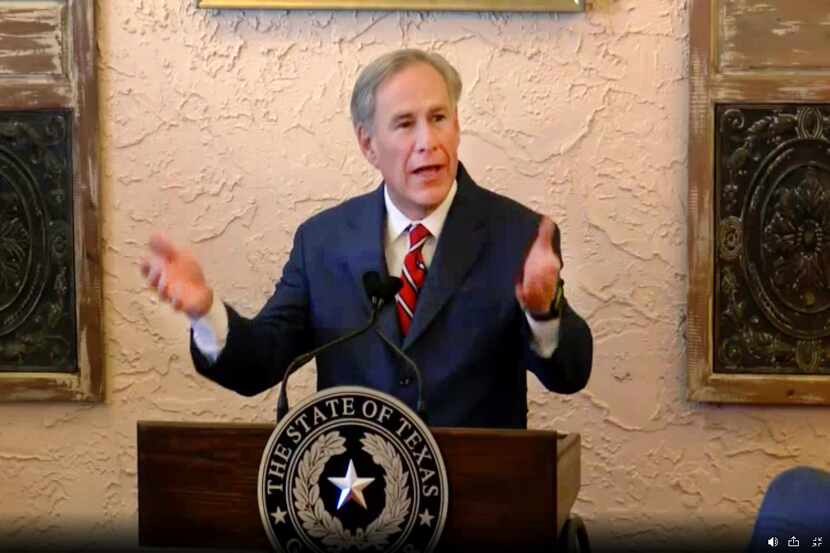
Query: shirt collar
x,y
397,222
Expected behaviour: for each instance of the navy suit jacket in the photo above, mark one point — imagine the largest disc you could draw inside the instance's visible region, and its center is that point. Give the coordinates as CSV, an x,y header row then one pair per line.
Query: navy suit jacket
x,y
469,335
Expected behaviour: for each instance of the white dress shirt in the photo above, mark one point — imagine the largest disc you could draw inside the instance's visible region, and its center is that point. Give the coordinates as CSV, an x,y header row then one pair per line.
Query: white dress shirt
x,y
210,332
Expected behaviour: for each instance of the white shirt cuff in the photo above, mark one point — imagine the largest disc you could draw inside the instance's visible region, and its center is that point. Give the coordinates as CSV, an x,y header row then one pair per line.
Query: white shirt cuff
x,y
544,336
210,332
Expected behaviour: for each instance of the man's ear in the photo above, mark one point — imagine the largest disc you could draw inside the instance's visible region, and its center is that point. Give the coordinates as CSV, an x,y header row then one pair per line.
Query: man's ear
x,y
367,146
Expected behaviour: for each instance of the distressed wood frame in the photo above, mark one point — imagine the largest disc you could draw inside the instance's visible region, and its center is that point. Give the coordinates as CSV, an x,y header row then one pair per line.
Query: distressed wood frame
x,y
438,5
713,83
76,90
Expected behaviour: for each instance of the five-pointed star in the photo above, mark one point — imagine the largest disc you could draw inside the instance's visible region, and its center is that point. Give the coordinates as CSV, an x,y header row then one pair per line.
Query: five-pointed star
x,y
351,487
426,518
279,515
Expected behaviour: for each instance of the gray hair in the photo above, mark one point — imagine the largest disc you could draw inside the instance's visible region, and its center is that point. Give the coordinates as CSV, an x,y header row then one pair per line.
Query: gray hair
x,y
388,65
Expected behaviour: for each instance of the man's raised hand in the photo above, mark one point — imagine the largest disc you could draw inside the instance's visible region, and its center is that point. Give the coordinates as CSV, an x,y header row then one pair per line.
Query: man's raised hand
x,y
536,289
177,276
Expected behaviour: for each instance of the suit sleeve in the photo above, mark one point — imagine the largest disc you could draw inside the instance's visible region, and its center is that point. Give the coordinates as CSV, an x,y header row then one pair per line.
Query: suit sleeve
x,y
258,350
568,369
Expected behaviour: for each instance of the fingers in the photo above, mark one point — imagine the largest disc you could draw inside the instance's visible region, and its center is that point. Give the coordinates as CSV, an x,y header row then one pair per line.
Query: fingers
x,y
546,229
176,296
536,290
163,272
161,246
540,271
155,271
152,270
156,275
164,292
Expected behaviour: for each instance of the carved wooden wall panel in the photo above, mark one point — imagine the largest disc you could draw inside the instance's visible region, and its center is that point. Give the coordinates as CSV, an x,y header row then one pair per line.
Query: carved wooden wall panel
x,y
50,293
37,319
759,202
772,262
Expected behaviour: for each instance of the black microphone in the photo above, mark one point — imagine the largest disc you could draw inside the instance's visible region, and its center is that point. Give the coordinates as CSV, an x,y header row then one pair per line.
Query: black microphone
x,y
379,293
380,290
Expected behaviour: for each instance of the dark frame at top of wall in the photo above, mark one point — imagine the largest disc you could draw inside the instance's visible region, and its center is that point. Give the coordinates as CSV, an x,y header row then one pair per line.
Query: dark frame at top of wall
x,y
426,5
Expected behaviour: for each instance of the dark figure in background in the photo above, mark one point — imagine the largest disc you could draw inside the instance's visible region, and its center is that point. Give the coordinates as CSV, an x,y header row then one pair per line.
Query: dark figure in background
x,y
482,300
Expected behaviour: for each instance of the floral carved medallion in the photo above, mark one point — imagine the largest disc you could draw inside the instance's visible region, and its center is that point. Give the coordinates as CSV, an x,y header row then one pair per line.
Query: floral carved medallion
x,y
772,260
37,319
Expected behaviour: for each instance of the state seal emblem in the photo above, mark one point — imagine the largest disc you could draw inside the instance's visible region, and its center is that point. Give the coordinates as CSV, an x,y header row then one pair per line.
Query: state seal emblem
x,y
352,469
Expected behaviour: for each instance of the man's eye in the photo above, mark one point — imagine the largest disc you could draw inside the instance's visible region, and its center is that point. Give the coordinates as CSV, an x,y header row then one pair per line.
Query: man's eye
x,y
439,117
403,124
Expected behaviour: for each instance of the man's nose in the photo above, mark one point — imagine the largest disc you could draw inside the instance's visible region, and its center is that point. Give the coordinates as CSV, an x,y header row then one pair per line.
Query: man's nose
x,y
425,137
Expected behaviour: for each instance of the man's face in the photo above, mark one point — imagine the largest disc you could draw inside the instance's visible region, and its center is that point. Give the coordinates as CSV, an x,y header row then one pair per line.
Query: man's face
x,y
414,140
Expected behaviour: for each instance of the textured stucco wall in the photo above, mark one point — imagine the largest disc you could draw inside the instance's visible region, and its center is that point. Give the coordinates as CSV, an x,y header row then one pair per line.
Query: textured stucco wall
x,y
228,129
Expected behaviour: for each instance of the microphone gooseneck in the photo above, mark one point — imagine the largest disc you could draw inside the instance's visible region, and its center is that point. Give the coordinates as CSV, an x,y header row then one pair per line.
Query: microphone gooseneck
x,y
387,290
421,405
373,285
380,291
299,361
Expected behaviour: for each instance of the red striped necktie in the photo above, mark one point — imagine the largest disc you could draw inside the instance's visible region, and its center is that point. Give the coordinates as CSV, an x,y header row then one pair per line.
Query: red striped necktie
x,y
413,274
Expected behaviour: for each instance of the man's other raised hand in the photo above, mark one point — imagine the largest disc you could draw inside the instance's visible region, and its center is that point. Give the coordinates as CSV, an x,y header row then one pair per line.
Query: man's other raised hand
x,y
177,276
536,288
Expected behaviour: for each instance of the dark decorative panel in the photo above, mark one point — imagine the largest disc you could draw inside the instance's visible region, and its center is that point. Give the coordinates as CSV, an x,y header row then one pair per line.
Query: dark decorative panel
x,y
37,315
772,259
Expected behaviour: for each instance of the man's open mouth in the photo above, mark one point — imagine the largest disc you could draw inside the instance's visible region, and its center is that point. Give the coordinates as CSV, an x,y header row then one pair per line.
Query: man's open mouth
x,y
427,169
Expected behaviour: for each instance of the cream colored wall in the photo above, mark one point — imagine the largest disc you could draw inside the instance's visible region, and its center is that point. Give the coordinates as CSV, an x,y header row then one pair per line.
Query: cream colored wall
x,y
229,128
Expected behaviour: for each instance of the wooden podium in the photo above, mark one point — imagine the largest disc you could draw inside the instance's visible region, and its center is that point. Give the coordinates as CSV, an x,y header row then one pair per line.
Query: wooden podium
x,y
197,486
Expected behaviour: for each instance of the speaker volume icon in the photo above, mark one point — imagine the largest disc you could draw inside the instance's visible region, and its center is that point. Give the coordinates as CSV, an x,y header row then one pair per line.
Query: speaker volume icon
x,y
773,542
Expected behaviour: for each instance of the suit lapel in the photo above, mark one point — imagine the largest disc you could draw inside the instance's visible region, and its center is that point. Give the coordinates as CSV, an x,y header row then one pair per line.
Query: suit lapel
x,y
460,244
365,252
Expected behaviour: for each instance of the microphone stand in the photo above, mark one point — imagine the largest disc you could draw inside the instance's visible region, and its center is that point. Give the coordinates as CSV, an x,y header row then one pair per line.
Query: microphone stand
x,y
282,402
421,406
380,291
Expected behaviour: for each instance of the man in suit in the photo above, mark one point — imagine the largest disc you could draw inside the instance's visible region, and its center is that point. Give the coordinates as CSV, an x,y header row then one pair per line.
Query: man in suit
x,y
481,300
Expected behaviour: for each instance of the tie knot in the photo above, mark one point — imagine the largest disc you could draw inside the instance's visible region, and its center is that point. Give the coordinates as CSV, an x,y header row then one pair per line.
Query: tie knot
x,y
417,234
